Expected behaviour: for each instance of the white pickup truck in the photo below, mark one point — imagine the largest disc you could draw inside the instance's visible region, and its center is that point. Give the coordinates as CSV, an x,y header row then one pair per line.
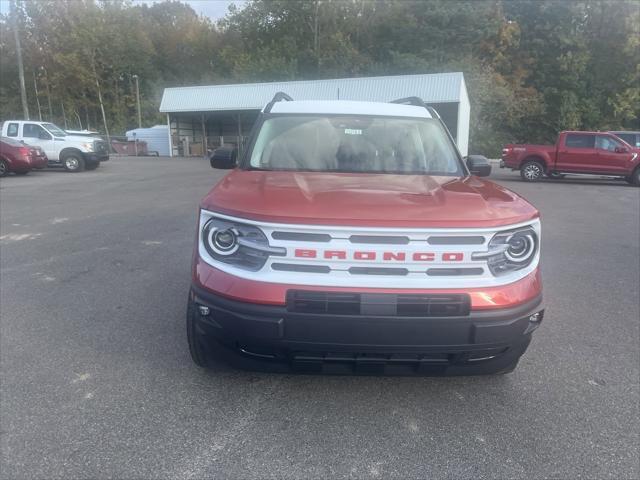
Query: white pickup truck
x,y
74,153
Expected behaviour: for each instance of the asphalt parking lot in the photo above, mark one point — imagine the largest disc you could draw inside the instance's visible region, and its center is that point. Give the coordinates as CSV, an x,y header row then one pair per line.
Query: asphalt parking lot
x,y
96,379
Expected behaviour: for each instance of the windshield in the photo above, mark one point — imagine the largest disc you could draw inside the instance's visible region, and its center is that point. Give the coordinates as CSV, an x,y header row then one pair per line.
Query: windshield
x,y
354,144
54,129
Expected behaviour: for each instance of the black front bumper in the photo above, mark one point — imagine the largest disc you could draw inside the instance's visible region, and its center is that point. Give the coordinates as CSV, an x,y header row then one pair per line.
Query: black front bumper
x,y
95,157
278,339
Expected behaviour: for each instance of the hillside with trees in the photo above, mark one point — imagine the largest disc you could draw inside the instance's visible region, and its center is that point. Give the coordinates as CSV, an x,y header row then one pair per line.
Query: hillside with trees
x,y
532,67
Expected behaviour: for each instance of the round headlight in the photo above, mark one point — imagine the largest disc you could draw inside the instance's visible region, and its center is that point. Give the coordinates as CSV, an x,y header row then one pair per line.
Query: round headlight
x,y
522,246
223,242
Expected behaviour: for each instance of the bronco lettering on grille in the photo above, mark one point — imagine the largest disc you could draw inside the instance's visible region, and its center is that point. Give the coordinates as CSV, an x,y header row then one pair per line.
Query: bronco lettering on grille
x,y
385,256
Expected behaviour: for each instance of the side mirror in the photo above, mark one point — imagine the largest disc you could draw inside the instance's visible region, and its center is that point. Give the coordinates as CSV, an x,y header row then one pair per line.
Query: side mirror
x,y
44,136
622,150
479,165
224,158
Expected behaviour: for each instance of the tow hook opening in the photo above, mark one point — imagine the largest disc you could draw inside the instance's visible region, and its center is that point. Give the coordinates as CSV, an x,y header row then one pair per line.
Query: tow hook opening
x,y
535,319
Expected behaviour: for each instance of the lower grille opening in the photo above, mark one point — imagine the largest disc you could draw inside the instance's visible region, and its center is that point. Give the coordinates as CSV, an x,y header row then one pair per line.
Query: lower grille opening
x,y
405,305
388,362
371,362
433,305
319,302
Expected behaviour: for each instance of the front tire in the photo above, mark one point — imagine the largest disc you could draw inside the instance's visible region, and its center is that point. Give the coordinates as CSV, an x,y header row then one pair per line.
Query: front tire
x,y
92,165
73,162
197,349
634,179
531,171
4,168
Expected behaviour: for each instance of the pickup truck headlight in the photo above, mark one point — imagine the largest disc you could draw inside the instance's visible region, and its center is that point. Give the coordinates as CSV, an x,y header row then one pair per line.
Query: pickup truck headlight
x,y
88,146
237,244
511,250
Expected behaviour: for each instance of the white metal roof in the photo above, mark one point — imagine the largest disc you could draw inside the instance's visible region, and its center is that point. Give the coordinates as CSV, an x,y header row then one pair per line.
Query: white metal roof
x,y
432,88
350,107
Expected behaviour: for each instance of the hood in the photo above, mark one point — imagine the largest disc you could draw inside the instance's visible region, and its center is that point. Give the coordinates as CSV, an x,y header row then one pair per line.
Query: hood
x,y
80,138
375,200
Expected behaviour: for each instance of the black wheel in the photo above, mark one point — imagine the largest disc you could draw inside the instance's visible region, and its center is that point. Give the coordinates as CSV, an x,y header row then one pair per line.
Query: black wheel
x,y
531,171
197,349
4,168
634,179
556,175
92,165
73,162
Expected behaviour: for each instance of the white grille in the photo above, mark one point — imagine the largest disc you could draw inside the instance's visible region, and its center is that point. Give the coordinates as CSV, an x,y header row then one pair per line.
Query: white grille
x,y
374,257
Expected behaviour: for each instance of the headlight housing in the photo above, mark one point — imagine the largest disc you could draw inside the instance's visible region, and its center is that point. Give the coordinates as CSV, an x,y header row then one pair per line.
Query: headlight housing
x,y
88,146
511,250
243,246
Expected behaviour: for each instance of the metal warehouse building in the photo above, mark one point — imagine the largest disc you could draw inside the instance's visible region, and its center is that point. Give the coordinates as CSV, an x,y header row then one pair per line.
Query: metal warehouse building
x,y
206,117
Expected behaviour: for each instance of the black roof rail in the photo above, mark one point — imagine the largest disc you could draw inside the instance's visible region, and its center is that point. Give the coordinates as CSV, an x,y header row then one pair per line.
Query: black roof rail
x,y
433,112
278,97
418,102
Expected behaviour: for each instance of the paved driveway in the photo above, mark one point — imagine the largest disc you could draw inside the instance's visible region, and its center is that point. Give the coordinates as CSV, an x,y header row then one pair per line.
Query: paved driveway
x,y
96,379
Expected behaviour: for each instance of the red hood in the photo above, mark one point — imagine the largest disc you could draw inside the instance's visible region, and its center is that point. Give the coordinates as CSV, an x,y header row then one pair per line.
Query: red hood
x,y
375,200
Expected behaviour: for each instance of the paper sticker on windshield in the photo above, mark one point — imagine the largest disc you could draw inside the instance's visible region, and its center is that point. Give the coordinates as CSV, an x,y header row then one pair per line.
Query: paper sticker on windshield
x,y
352,131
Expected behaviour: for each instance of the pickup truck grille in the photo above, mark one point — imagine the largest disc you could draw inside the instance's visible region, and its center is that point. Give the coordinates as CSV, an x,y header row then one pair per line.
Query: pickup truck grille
x,y
100,146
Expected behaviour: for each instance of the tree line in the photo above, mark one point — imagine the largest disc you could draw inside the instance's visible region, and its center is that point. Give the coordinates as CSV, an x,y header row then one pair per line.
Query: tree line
x,y
532,67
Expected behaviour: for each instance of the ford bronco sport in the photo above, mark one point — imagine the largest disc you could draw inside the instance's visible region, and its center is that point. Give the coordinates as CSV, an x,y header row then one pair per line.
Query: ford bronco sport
x,y
351,237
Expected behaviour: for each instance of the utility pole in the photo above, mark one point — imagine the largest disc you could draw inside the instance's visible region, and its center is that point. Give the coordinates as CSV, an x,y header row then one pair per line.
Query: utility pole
x,y
23,91
35,87
78,117
138,101
104,115
64,115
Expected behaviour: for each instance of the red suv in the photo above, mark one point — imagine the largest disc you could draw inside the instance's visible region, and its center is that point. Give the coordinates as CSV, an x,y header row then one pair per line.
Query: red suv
x,y
352,237
19,158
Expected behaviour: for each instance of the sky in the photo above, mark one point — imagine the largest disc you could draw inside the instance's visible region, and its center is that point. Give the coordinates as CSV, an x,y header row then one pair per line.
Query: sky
x,y
214,9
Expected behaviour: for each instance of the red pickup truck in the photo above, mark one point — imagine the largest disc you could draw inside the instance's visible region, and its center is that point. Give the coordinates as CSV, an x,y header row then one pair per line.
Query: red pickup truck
x,y
593,153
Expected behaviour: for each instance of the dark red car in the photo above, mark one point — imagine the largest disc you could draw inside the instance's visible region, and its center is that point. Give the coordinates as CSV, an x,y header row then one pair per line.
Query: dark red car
x,y
19,158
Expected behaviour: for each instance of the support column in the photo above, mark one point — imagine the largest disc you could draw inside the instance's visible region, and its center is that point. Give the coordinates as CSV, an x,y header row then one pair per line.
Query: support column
x,y
169,130
204,138
239,135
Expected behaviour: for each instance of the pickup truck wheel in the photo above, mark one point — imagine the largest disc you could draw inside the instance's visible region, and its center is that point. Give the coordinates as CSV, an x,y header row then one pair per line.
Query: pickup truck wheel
x,y
197,349
92,165
634,179
531,171
73,162
4,168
